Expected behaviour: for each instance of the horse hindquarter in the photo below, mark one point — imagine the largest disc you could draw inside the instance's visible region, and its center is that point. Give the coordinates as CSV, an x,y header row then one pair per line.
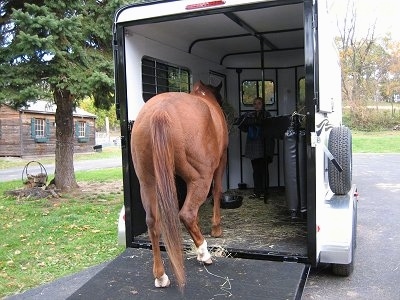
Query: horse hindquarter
x,y
154,159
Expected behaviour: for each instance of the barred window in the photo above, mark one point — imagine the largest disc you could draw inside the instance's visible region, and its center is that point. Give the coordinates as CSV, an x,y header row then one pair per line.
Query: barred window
x,y
160,77
301,94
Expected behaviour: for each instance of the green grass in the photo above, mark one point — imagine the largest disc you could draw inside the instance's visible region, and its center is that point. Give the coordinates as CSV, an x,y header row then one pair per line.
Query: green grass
x,y
376,142
42,240
100,176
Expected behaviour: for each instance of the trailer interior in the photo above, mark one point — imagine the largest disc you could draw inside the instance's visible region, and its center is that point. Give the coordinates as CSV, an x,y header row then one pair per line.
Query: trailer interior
x,y
256,50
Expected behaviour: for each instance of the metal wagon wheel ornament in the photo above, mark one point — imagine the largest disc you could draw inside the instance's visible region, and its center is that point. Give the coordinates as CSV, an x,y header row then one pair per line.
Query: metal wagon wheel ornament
x,y
34,180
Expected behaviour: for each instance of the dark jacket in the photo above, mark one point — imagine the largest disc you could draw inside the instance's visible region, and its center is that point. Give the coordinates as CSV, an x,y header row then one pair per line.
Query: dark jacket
x,y
257,146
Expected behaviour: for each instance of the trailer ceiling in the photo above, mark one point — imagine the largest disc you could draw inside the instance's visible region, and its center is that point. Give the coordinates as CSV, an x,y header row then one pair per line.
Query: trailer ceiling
x,y
226,36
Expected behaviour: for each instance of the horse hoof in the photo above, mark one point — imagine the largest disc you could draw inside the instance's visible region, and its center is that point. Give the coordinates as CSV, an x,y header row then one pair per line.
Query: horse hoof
x,y
216,232
207,262
203,255
162,282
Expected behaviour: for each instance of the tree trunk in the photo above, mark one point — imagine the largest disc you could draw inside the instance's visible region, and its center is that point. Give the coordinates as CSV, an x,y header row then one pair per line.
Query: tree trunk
x,y
64,166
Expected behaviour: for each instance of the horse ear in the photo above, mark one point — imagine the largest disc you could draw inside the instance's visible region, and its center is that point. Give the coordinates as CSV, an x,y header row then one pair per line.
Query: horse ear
x,y
197,85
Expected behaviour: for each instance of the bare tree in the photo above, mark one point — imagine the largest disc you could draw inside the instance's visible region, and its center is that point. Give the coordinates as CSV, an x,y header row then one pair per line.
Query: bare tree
x,y
355,57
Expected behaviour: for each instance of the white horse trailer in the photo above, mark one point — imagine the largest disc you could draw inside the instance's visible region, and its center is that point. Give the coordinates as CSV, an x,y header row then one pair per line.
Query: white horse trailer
x,y
283,51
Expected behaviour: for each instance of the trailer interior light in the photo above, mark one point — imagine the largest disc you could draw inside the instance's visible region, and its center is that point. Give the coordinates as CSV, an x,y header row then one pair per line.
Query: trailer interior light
x,y
204,4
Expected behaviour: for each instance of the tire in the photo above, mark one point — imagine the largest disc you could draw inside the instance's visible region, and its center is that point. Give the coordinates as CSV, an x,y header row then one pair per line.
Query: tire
x,y
345,270
340,145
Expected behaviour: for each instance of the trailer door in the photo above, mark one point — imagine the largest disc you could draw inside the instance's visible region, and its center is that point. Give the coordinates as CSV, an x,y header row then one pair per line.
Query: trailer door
x,y
329,74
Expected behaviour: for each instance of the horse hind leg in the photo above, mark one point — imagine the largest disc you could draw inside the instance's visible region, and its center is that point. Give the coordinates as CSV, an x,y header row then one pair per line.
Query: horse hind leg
x,y
161,279
189,217
216,230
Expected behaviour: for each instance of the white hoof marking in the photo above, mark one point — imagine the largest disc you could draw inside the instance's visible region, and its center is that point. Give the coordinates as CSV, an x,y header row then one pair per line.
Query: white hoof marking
x,y
162,282
203,255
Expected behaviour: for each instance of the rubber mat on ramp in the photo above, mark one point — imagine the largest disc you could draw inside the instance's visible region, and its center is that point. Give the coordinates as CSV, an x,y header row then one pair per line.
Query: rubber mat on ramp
x,y
129,276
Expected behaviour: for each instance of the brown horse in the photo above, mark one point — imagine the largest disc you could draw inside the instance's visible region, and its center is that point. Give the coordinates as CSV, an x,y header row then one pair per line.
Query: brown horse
x,y
186,135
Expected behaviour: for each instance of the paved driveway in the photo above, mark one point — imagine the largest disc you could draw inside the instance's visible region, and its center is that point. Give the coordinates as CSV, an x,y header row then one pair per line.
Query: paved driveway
x,y
34,168
377,264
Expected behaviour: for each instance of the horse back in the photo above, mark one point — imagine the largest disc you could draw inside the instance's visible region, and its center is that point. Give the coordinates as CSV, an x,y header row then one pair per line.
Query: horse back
x,y
198,129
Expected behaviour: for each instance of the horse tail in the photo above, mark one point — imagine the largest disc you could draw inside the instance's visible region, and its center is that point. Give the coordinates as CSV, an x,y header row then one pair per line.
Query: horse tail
x,y
163,160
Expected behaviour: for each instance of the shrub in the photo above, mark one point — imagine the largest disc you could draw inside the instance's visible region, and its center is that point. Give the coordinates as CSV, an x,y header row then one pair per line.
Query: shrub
x,y
364,118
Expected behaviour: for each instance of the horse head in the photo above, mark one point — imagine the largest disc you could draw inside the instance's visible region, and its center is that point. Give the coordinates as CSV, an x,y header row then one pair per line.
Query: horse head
x,y
208,90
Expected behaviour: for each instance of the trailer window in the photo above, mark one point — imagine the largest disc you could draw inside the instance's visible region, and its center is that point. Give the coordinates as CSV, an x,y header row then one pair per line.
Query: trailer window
x,y
301,95
253,88
160,77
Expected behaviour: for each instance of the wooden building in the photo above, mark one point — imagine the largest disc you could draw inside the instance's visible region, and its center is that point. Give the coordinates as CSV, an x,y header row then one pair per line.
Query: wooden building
x,y
31,130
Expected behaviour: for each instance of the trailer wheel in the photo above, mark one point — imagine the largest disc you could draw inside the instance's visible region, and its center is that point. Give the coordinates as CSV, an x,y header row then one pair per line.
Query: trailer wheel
x,y
340,145
342,270
345,269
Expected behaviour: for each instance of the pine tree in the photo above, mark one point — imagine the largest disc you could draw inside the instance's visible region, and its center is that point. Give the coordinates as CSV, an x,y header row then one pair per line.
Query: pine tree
x,y
60,50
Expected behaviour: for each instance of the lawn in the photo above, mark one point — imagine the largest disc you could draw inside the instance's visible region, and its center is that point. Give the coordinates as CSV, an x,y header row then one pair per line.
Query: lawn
x,y
44,239
376,142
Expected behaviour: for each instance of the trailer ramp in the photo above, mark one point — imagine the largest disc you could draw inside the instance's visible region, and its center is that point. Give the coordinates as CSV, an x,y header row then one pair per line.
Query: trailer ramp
x,y
129,276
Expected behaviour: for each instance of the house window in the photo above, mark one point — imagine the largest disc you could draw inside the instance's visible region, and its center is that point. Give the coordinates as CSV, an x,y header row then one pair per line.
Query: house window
x,y
40,130
253,88
160,77
82,130
40,126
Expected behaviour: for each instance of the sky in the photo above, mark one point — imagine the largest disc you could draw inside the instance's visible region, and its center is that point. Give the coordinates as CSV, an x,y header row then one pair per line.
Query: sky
x,y
386,14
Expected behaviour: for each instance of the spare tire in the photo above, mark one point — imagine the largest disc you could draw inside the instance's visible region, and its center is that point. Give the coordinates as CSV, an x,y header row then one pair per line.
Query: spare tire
x,y
340,145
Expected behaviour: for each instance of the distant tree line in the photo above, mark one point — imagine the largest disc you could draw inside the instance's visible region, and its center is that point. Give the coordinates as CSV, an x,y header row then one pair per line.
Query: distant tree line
x,y
370,75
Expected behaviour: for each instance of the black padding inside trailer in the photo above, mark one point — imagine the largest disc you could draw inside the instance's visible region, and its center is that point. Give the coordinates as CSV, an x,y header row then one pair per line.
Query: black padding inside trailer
x,y
295,172
129,276
290,169
302,160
